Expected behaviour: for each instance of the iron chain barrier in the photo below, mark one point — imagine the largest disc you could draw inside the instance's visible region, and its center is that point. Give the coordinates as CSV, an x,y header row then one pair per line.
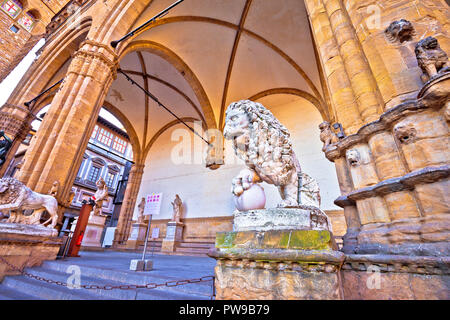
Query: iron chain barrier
x,y
152,285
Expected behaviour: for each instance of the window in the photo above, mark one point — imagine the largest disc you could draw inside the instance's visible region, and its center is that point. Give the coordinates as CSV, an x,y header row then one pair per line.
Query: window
x,y
27,21
94,133
12,7
14,28
105,137
110,179
119,145
94,173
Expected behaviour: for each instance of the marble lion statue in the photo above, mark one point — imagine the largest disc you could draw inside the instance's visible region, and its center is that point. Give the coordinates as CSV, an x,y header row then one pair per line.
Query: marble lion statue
x,y
264,144
16,197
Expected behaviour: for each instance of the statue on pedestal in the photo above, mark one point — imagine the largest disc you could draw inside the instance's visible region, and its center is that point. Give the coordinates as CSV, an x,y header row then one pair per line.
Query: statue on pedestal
x,y
5,145
431,58
264,144
100,195
141,208
177,205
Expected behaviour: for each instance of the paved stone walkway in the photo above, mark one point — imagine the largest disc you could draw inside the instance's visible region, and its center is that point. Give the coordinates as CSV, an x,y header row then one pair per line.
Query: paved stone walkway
x,y
112,268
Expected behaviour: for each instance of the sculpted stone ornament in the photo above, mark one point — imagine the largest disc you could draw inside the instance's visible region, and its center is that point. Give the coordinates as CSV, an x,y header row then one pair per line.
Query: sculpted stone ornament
x,y
15,197
141,208
401,31
405,133
327,136
54,190
264,144
431,58
100,195
5,145
353,157
177,205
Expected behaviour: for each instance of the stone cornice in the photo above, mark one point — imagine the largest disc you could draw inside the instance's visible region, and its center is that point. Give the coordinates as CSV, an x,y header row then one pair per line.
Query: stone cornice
x,y
397,263
406,182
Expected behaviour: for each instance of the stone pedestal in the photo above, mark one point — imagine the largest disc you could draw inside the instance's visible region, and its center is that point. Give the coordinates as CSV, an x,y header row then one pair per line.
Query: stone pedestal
x,y
293,257
137,235
174,234
26,246
94,230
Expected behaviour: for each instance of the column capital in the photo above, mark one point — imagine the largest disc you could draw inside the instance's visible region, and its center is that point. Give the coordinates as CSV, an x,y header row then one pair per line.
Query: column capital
x,y
94,53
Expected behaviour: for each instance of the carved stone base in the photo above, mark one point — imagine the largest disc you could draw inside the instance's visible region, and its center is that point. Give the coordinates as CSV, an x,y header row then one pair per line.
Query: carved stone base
x,y
137,235
277,265
387,277
94,231
174,234
26,246
295,218
28,229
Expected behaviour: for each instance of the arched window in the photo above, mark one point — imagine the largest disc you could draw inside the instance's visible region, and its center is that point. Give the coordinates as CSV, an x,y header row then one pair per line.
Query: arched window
x,y
12,7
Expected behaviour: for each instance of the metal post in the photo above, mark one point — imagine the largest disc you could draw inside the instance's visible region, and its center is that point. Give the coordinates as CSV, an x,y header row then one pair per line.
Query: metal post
x,y
146,238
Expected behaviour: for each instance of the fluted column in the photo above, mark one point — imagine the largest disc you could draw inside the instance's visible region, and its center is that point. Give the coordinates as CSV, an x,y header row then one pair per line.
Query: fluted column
x,y
129,203
57,150
341,91
15,121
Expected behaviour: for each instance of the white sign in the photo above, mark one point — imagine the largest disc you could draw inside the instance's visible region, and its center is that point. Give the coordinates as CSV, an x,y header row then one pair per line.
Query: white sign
x,y
153,204
155,233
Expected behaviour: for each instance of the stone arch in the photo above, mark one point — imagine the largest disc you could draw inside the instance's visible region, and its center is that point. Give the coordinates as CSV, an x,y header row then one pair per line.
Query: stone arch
x,y
171,57
53,57
161,131
325,113
137,150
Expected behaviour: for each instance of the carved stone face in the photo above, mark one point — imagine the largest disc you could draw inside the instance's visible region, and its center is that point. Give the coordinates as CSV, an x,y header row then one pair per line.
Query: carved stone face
x,y
324,125
401,30
405,133
353,157
236,124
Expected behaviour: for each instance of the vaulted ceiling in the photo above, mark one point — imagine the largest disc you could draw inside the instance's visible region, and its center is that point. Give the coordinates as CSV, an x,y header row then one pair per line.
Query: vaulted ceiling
x,y
235,49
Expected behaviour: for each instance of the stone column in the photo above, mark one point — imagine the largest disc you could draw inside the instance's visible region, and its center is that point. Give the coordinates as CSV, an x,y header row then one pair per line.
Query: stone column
x,y
129,203
15,121
57,150
391,56
342,94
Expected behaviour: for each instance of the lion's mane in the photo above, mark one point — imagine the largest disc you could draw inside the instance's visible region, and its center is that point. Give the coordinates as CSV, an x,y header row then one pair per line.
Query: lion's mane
x,y
13,192
269,145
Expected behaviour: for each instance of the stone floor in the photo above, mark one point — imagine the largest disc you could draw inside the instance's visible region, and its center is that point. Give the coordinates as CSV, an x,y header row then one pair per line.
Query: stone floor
x,y
112,268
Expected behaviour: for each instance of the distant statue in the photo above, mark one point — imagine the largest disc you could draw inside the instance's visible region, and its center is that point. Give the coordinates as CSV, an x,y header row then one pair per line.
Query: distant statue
x,y
100,195
54,190
5,145
265,146
177,205
141,208
15,197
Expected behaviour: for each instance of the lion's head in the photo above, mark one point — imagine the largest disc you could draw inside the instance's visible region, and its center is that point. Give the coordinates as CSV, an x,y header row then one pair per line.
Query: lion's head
x,y
9,190
259,138
401,30
353,157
